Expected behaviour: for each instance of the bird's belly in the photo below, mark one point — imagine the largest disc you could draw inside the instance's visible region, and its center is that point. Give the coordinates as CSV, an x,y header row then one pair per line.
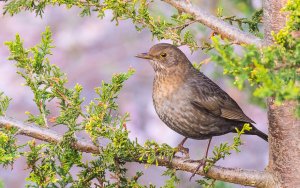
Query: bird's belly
x,y
184,119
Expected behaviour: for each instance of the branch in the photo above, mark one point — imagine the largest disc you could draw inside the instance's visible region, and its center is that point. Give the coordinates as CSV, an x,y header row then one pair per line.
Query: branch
x,y
238,176
216,24
43,134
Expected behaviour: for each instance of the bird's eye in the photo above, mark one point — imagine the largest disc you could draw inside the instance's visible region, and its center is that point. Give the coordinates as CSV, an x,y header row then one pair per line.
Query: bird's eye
x,y
163,55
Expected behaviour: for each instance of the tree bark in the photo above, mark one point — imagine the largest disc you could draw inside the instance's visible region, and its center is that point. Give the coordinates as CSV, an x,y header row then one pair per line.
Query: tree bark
x,y
284,127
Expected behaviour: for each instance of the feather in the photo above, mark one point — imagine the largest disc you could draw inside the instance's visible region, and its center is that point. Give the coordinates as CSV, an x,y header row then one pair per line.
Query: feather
x,y
216,101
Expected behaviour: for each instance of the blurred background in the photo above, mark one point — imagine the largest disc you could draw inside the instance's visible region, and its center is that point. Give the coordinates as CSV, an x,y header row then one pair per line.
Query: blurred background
x,y
90,50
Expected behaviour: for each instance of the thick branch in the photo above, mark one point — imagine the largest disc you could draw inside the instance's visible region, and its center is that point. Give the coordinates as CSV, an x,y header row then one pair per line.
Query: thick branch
x,y
216,24
238,176
284,126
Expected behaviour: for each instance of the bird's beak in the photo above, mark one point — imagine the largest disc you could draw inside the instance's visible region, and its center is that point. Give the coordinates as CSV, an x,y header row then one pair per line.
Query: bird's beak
x,y
143,56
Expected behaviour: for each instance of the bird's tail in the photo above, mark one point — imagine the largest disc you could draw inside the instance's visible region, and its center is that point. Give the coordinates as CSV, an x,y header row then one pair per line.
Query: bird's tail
x,y
255,131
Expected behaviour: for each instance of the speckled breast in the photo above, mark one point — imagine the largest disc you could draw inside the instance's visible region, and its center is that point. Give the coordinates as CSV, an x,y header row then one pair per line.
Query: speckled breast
x,y
174,108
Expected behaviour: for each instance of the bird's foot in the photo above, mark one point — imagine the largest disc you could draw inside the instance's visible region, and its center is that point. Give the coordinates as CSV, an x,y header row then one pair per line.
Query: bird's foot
x,y
201,164
183,150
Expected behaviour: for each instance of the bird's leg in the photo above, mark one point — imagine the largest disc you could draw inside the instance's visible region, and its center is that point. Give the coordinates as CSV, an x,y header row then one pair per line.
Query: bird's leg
x,y
182,149
202,161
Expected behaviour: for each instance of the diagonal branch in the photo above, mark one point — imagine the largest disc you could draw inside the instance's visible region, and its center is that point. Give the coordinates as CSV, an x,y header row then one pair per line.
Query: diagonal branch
x,y
238,176
216,24
44,134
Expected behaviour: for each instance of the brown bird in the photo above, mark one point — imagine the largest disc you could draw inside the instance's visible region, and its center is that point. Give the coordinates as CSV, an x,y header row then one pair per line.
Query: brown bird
x,y
190,103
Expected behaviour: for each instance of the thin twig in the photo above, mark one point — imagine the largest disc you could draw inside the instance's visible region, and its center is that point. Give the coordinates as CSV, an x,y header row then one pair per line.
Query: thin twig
x,y
182,26
283,66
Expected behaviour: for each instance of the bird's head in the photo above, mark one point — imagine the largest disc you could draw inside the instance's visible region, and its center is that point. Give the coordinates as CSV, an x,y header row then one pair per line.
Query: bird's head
x,y
165,57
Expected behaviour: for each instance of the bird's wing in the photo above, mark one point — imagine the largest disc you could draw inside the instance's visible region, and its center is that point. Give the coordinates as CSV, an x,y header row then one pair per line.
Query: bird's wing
x,y
214,100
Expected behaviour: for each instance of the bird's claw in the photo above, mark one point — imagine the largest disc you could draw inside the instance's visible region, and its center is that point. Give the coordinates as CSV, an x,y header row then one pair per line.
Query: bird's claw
x,y
182,150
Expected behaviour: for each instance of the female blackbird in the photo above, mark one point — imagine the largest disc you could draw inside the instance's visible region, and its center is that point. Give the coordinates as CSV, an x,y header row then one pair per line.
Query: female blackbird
x,y
189,102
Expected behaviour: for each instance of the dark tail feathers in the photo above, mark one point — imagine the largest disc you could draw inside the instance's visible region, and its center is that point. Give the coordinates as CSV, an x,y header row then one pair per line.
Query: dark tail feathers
x,y
257,132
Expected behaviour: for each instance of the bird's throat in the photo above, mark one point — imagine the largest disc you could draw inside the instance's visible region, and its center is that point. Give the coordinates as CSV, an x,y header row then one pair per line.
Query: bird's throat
x,y
167,84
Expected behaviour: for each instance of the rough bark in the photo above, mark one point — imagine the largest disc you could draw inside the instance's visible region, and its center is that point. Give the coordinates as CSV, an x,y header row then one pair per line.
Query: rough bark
x,y
284,127
284,139
273,18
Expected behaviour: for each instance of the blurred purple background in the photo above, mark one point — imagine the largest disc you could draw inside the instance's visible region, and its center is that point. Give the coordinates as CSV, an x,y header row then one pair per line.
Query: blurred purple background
x,y
90,50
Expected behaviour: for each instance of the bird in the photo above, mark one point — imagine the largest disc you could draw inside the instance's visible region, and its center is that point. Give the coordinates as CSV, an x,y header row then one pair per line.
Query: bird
x,y
189,102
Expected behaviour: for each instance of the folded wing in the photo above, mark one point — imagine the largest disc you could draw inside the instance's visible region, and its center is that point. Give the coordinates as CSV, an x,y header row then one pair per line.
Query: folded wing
x,y
214,100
